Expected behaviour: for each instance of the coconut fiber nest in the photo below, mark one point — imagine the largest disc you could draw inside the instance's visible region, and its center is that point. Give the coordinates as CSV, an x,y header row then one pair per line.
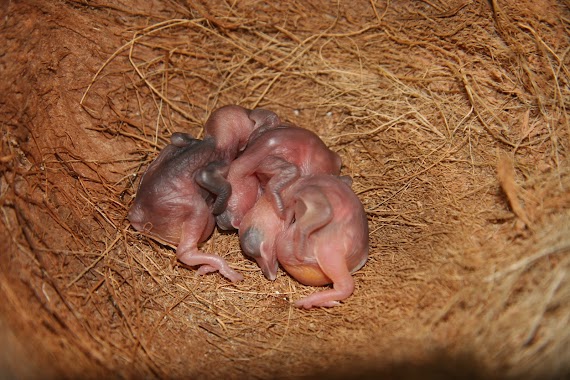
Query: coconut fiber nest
x,y
450,116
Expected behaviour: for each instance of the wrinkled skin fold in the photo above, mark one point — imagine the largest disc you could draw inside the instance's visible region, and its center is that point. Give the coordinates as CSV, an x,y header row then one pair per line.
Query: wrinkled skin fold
x,y
186,185
323,239
273,159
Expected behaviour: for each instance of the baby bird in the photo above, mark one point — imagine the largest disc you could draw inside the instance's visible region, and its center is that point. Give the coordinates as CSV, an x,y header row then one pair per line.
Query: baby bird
x,y
322,239
273,159
185,186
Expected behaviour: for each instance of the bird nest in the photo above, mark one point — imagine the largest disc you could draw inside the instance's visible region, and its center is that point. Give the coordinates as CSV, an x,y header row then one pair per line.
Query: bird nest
x,y
451,118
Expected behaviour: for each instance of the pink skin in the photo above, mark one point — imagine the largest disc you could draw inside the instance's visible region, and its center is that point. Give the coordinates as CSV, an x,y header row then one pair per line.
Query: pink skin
x,y
182,188
322,241
258,231
272,160
231,130
327,239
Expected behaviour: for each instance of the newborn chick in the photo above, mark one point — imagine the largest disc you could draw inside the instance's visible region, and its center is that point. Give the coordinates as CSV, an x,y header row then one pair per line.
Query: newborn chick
x,y
323,239
272,160
185,185
326,238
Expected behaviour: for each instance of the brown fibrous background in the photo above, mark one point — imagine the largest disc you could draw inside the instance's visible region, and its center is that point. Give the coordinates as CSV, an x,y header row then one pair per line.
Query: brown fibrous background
x,y
450,116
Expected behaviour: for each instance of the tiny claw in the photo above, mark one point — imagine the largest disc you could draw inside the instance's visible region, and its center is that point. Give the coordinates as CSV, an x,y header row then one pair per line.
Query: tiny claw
x,y
308,304
232,275
205,269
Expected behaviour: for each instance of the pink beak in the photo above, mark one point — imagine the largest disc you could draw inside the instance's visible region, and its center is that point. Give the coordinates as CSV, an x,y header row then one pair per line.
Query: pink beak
x,y
268,262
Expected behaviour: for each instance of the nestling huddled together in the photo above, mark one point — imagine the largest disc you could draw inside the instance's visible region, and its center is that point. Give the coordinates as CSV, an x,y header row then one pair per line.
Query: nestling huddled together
x,y
277,184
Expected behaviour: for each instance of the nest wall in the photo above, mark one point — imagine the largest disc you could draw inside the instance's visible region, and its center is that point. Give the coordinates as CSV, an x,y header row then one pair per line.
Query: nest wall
x,y
450,116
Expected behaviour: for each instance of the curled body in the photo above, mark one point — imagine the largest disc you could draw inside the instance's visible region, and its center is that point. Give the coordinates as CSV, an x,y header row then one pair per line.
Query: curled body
x,y
327,239
322,240
273,159
186,185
